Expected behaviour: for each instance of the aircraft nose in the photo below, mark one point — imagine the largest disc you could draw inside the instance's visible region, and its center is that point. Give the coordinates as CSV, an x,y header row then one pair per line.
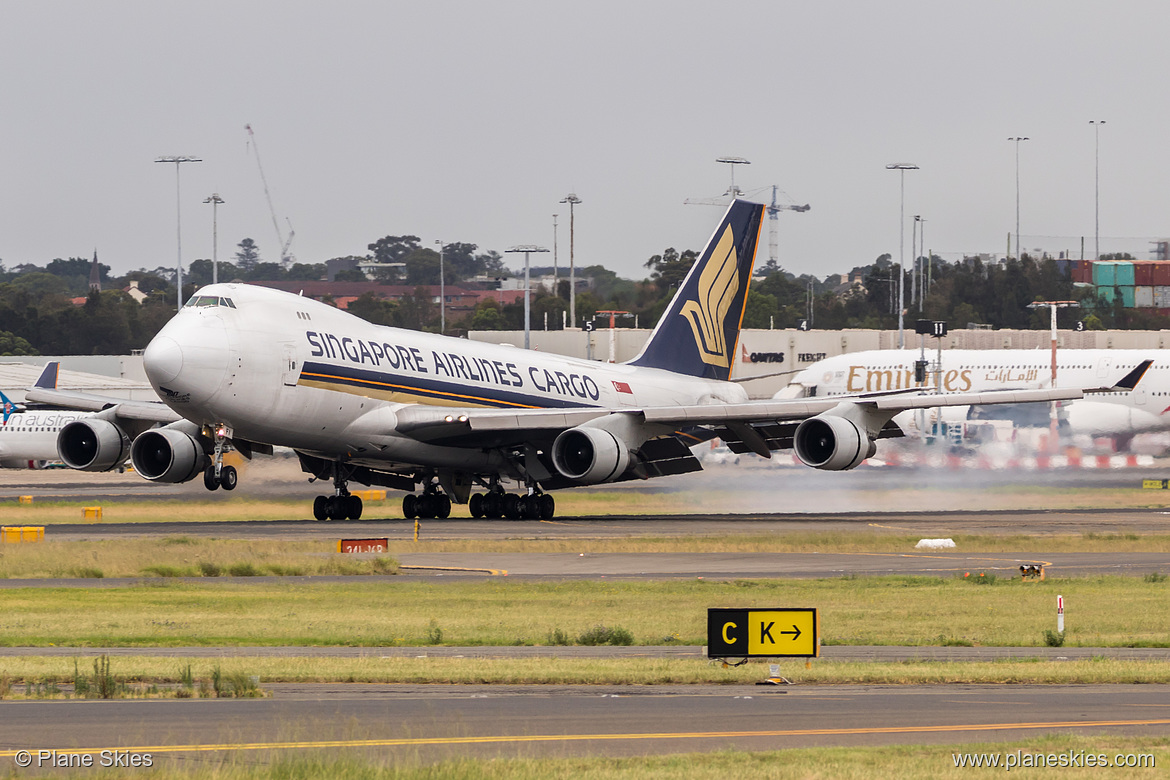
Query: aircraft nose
x,y
163,359
189,359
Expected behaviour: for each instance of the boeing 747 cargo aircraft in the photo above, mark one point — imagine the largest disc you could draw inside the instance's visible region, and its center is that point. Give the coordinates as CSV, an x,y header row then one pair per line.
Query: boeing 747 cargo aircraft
x,y
451,421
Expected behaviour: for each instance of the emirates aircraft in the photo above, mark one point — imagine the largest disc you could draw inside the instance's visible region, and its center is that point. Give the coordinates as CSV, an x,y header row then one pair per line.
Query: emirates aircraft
x,y
1119,414
453,421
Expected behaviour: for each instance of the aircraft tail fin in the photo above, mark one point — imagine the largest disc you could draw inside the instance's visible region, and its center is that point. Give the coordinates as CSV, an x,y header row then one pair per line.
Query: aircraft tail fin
x,y
48,377
699,333
7,407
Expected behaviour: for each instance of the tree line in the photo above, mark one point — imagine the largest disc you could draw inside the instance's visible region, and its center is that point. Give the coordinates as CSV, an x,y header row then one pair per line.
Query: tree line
x,y
38,315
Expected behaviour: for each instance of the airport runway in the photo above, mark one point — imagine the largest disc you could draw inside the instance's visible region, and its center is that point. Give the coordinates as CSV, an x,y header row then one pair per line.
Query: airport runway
x,y
410,722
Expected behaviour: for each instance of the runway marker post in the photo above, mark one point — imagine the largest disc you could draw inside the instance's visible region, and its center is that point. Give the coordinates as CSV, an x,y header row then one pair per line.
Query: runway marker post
x,y
1060,614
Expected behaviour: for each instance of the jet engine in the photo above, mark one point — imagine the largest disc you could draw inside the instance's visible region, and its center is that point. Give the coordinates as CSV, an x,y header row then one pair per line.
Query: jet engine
x,y
832,443
92,445
168,455
590,455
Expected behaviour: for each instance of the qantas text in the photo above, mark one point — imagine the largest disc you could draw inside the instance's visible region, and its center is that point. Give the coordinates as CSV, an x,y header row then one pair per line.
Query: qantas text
x,y
451,365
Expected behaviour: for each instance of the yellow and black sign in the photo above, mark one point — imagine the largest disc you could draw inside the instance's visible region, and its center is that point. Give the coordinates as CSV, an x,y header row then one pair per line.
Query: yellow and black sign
x,y
776,633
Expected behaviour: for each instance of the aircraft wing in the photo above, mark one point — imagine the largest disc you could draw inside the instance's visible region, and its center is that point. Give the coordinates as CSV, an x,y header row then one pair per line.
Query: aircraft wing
x,y
45,391
758,426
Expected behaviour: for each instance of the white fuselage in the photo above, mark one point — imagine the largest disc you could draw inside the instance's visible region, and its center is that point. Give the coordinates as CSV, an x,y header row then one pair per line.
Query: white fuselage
x,y
28,437
976,370
289,371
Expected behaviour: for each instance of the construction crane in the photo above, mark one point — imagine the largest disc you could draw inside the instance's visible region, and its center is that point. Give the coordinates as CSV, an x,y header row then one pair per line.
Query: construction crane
x,y
286,258
734,192
774,212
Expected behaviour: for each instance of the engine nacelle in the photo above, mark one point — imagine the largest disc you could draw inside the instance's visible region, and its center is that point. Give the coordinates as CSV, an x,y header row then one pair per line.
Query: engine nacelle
x,y
832,443
590,455
168,455
92,445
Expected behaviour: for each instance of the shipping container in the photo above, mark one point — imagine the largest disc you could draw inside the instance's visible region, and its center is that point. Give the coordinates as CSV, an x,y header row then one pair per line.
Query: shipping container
x,y
1143,273
1104,292
1125,293
1104,274
1161,297
1143,297
1082,272
1064,268
1162,274
1123,273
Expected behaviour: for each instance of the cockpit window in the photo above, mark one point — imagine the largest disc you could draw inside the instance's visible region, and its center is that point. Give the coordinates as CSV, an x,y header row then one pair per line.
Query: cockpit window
x,y
210,300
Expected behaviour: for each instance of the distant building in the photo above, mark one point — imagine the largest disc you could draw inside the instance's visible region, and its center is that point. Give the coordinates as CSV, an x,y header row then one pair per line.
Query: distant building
x,y
95,274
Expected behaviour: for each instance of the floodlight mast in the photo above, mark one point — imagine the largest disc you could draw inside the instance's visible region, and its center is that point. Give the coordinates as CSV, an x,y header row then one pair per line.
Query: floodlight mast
x,y
178,160
526,249
572,200
901,168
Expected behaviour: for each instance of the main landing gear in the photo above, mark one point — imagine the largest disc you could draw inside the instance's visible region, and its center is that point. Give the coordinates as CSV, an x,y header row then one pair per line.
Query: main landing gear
x,y
341,505
218,475
431,504
497,504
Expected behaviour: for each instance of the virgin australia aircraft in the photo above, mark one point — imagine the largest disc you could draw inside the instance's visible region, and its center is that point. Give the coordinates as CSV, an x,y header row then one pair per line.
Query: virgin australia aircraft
x,y
250,368
29,438
1118,414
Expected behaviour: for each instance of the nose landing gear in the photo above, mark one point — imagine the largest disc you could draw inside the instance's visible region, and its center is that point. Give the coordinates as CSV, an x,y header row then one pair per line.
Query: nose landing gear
x,y
218,475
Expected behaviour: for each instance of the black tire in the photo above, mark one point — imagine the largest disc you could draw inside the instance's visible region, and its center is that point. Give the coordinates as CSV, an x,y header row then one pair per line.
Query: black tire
x,y
410,506
228,477
319,508
443,506
492,506
475,506
209,480
548,507
353,507
425,506
530,507
512,506
332,507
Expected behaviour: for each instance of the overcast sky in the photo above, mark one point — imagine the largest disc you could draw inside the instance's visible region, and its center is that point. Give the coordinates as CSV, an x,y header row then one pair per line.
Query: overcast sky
x,y
469,121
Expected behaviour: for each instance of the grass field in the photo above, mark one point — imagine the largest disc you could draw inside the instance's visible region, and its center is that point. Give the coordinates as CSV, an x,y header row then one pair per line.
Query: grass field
x,y
912,762
1100,611
419,670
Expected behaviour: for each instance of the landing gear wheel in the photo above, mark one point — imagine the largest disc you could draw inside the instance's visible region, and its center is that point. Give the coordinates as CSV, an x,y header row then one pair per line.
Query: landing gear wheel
x,y
476,505
442,506
512,506
209,480
319,508
335,507
548,507
228,478
530,507
492,506
353,507
410,506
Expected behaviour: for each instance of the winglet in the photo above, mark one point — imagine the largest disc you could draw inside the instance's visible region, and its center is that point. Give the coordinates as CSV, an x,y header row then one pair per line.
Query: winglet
x,y
1130,380
48,377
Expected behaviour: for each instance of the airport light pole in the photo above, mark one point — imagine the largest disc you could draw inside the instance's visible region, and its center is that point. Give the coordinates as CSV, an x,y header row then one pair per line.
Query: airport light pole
x,y
555,274
178,160
442,292
918,269
526,249
1096,123
572,200
901,168
1017,139
214,200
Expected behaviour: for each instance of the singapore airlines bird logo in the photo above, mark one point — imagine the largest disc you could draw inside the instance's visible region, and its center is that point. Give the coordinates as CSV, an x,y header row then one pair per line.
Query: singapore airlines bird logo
x,y
718,284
